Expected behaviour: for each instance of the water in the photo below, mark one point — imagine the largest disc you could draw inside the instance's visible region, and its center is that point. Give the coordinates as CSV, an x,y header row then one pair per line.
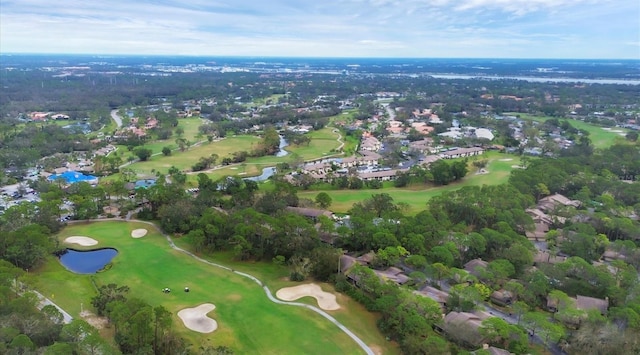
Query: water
x,y
534,79
283,143
266,173
270,171
87,262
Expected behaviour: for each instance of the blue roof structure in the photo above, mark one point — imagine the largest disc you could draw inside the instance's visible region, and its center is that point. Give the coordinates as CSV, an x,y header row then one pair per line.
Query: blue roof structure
x,y
71,177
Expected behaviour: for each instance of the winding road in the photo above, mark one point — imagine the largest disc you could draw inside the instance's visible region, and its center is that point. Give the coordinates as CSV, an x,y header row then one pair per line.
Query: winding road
x,y
266,289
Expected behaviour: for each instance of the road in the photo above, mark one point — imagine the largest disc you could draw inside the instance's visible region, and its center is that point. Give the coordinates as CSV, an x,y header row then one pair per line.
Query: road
x,y
116,118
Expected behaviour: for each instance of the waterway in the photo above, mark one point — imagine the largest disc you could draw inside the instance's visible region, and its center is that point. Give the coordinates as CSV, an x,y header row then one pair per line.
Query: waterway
x,y
271,170
534,79
283,143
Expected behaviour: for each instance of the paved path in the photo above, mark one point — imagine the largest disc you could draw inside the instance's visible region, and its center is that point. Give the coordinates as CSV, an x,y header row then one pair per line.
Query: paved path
x,y
266,289
67,318
116,118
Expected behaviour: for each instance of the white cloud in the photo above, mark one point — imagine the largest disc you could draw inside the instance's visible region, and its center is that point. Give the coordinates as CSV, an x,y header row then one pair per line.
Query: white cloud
x,y
329,28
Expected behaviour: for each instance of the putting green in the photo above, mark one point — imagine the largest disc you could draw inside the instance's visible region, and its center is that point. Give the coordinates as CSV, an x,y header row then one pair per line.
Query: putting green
x,y
247,321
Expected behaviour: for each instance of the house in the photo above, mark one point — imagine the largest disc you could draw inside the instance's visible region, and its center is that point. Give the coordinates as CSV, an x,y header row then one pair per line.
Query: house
x,y
461,153
550,202
346,262
384,175
476,266
544,257
312,213
590,303
539,233
611,255
435,294
392,274
367,258
502,298
465,327
370,143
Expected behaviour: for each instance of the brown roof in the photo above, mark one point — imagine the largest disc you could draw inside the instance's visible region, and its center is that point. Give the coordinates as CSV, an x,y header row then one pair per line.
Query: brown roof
x,y
346,261
502,295
366,258
587,303
309,212
462,151
465,326
545,257
473,267
433,293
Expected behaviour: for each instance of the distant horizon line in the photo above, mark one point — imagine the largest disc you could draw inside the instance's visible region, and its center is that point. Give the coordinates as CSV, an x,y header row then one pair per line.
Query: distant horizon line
x,y
297,56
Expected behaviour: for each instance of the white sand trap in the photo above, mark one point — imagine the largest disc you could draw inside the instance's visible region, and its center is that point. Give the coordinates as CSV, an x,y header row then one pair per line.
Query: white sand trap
x,y
326,300
196,318
138,233
84,241
506,159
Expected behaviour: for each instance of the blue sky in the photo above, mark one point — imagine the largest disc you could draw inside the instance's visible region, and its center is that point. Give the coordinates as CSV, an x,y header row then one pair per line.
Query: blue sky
x,y
327,28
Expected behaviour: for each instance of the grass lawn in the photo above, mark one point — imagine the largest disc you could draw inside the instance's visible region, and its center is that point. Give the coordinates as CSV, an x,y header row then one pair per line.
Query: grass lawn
x,y
416,196
247,320
600,137
184,160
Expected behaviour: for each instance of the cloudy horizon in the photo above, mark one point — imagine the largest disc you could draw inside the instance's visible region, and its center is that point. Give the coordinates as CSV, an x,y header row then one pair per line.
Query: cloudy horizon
x,y
580,29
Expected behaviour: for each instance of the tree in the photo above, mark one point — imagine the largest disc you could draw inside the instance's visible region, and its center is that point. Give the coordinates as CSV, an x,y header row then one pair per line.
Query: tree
x,y
480,164
323,200
182,144
440,271
166,151
107,294
142,153
500,333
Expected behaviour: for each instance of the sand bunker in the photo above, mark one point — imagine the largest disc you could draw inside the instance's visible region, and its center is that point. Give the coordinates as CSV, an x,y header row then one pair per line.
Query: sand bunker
x,y
138,233
326,300
505,159
84,241
196,318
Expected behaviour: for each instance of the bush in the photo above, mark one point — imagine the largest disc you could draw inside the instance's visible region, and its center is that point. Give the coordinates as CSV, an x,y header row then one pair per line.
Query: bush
x,y
296,276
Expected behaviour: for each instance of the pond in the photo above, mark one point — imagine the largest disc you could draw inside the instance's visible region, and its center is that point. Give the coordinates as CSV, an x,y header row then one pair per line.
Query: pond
x,y
87,262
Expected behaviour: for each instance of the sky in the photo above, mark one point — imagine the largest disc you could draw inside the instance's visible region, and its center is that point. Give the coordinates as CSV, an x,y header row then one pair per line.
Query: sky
x,y
580,29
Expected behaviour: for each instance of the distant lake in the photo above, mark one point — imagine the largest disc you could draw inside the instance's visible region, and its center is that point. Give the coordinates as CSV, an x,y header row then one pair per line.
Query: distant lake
x,y
537,79
87,262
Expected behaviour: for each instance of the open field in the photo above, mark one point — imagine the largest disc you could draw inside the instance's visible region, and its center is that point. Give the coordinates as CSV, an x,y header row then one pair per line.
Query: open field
x,y
600,137
247,320
416,196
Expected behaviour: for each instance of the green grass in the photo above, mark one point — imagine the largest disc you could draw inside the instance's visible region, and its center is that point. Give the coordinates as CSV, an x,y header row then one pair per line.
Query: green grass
x,y
417,195
600,137
323,142
184,160
247,321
